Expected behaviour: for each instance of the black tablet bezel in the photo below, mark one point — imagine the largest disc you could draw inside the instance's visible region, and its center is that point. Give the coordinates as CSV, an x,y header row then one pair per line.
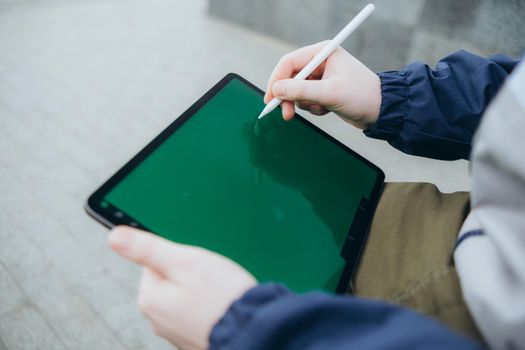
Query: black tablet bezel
x,y
356,238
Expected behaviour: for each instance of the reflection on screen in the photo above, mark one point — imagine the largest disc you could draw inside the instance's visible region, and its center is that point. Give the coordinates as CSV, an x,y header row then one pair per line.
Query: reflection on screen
x,y
275,196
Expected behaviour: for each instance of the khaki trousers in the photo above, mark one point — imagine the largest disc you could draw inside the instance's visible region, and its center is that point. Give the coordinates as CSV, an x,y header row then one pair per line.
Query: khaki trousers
x,y
408,255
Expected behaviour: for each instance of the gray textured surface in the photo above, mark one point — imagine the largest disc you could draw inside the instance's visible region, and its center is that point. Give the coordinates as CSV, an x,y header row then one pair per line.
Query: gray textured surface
x,y
396,33
83,86
490,25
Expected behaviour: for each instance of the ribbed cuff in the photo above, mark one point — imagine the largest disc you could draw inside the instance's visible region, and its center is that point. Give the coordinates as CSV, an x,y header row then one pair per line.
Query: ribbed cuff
x,y
394,93
241,312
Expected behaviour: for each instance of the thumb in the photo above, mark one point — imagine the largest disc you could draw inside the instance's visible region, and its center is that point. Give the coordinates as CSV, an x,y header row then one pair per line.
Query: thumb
x,y
302,90
146,249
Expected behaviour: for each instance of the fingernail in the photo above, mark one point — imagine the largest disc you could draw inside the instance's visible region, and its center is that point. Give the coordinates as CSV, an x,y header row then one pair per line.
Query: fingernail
x,y
278,89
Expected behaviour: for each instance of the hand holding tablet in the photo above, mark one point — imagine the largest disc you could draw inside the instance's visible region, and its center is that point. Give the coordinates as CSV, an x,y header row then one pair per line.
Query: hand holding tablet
x,y
175,289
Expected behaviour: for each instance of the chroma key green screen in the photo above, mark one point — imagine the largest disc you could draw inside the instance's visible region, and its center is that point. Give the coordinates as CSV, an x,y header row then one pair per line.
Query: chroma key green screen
x,y
277,197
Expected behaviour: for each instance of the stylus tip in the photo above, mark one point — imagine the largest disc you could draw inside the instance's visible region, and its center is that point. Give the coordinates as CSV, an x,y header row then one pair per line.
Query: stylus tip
x,y
267,109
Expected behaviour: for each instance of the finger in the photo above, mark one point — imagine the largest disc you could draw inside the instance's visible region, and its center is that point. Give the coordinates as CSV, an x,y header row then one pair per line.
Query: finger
x,y
150,277
267,96
149,282
152,290
293,63
288,109
312,91
146,249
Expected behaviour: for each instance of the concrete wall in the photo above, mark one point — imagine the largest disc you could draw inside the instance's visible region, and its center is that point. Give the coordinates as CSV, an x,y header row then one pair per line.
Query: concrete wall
x,y
398,32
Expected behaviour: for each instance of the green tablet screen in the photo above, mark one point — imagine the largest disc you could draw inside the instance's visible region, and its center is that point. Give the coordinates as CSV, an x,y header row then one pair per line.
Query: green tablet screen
x,y
277,197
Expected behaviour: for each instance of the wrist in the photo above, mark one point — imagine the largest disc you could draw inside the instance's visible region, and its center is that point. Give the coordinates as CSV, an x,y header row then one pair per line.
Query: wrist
x,y
376,100
394,90
369,99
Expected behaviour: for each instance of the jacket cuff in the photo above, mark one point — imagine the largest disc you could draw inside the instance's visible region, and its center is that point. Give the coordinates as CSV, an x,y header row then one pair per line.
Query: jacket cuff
x,y
394,93
241,312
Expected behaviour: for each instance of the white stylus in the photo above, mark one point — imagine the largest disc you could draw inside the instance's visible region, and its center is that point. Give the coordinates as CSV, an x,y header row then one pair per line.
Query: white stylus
x,y
325,52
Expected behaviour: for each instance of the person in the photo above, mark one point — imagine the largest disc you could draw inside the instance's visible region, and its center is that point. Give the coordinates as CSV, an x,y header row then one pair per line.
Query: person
x,y
197,299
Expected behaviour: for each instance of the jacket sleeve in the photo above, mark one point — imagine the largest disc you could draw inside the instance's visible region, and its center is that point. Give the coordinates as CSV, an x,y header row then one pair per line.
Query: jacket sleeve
x,y
271,317
434,113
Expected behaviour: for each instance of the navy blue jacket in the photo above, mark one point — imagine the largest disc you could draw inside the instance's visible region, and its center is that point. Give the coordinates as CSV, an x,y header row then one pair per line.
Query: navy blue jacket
x,y
432,113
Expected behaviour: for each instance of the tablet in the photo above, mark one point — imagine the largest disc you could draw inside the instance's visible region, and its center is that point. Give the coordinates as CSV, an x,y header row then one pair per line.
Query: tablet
x,y
283,199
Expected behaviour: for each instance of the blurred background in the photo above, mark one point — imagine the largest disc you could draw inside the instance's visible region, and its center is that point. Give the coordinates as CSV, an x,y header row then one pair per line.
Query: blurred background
x,y
399,32
85,84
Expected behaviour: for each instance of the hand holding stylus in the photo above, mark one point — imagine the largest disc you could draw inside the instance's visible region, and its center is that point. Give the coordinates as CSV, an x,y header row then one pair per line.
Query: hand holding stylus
x,y
184,290
341,84
316,60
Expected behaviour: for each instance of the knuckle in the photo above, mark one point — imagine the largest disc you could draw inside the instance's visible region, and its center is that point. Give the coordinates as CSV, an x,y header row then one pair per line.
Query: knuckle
x,y
285,59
